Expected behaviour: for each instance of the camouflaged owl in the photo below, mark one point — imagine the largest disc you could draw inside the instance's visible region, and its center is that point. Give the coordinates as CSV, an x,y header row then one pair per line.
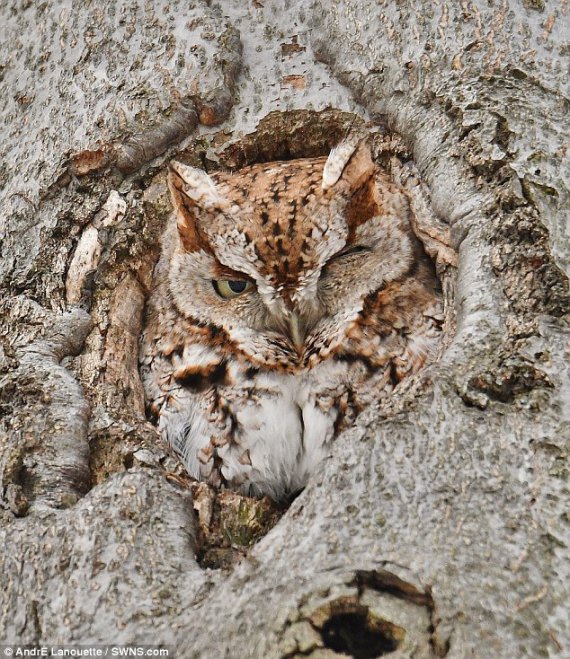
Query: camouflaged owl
x,y
287,294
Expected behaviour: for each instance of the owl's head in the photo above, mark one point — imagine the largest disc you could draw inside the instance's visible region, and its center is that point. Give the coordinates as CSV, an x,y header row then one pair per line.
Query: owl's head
x,y
282,255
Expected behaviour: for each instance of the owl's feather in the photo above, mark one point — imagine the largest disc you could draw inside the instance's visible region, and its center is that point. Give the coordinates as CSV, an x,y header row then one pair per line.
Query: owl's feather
x,y
341,301
352,160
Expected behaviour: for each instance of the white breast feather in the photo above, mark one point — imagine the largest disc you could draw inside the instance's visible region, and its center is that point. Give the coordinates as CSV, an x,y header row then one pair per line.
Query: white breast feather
x,y
286,432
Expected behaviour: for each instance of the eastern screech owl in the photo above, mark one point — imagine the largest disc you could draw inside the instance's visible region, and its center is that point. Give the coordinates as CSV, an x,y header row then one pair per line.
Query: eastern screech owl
x,y
287,293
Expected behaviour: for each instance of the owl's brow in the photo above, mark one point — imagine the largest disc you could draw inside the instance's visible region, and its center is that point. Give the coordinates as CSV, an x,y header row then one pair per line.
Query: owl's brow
x,y
225,272
320,215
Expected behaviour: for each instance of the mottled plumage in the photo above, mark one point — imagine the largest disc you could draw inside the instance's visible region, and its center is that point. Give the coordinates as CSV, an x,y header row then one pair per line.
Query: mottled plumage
x,y
286,294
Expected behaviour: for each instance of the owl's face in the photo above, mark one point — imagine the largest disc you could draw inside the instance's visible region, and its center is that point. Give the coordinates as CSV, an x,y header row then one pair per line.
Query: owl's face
x,y
281,256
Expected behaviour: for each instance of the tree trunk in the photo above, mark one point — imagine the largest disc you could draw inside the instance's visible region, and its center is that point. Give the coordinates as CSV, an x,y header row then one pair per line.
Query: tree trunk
x,y
437,530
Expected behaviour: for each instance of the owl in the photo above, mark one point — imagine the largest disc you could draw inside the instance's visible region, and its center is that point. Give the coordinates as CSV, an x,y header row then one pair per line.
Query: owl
x,y
287,294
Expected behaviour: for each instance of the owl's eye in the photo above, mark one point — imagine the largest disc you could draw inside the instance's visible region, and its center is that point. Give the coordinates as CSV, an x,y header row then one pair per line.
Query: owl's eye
x,y
230,288
349,251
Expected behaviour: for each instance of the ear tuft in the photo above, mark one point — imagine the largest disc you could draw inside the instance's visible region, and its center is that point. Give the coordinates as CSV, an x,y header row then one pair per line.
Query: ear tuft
x,y
194,184
194,195
350,161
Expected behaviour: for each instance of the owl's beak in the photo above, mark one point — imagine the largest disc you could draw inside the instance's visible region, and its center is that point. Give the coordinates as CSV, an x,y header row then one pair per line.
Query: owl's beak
x,y
295,331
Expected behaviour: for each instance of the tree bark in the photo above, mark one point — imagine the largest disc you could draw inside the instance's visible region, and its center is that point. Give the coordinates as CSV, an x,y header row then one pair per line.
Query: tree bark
x,y
438,529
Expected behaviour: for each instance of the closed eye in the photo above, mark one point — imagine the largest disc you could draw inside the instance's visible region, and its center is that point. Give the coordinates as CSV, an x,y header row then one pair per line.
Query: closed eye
x,y
349,251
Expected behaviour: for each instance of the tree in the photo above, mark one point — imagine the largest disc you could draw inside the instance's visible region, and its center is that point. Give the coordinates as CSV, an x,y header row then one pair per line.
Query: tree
x,y
438,529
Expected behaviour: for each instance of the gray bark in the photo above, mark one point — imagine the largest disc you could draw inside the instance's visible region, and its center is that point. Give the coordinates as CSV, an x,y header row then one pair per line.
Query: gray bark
x,y
440,529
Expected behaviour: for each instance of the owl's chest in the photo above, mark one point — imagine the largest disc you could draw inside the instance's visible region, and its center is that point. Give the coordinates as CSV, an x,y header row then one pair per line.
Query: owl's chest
x,y
302,400
266,432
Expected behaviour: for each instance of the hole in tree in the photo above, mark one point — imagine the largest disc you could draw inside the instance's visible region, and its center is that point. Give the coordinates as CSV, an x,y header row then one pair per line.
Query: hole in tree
x,y
361,635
